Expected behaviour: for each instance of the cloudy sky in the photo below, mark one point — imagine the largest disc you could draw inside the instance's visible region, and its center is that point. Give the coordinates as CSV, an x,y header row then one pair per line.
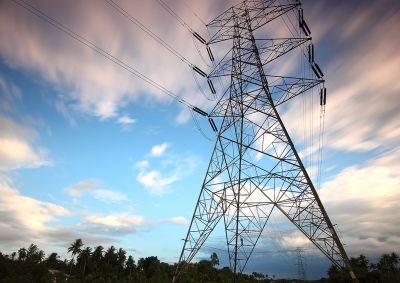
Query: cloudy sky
x,y
88,150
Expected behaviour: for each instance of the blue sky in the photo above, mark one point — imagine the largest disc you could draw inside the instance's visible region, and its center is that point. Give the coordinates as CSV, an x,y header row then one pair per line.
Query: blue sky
x,y
87,150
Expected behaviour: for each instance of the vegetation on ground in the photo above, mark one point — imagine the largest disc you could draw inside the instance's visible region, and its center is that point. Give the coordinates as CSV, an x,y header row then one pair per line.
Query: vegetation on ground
x,y
98,264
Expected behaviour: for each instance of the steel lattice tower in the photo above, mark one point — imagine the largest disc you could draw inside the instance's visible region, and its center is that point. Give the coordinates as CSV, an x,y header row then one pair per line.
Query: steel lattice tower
x,y
300,264
255,168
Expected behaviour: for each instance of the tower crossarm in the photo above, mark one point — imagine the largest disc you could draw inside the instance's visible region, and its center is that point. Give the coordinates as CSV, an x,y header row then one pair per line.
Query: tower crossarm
x,y
261,12
270,50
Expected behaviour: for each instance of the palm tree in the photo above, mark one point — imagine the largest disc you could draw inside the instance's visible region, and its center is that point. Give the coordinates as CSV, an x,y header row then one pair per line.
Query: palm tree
x,y
97,256
110,255
85,256
74,249
40,256
130,265
22,253
121,257
52,260
32,251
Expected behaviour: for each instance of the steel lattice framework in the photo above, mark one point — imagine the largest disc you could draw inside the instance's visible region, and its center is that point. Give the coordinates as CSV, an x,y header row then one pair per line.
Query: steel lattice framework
x,y
255,168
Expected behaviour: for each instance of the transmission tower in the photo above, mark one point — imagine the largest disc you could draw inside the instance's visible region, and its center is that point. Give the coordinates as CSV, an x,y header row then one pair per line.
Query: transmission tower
x,y
301,272
255,167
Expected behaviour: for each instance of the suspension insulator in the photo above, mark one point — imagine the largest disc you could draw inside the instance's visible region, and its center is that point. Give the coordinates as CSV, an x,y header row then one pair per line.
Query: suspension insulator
x,y
202,40
322,97
211,85
317,71
210,53
213,126
200,72
311,53
305,28
300,17
201,112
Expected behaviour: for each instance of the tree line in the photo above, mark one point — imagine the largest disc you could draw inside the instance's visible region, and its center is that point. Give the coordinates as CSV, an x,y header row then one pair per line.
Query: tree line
x,y
386,270
99,264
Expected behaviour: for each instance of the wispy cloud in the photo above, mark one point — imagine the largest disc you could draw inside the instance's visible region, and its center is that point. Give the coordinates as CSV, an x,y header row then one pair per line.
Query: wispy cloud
x,y
65,111
107,195
155,182
82,187
96,86
124,223
168,170
93,187
142,164
159,149
126,120
363,105
10,94
180,220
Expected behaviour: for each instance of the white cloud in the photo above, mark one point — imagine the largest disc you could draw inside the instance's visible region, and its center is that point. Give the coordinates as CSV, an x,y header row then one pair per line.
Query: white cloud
x,y
126,120
169,170
127,223
159,149
106,195
363,200
179,220
17,149
119,221
82,187
155,182
93,187
27,215
142,164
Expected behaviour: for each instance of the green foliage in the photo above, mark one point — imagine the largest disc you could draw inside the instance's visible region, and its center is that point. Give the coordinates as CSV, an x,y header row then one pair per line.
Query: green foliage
x,y
387,270
112,265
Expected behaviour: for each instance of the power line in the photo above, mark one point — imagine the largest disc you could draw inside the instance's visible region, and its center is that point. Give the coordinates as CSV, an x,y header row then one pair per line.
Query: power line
x,y
158,39
99,50
154,36
194,13
195,36
175,15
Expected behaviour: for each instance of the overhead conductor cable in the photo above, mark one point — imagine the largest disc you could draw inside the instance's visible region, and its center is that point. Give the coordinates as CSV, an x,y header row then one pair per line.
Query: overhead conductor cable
x,y
24,4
